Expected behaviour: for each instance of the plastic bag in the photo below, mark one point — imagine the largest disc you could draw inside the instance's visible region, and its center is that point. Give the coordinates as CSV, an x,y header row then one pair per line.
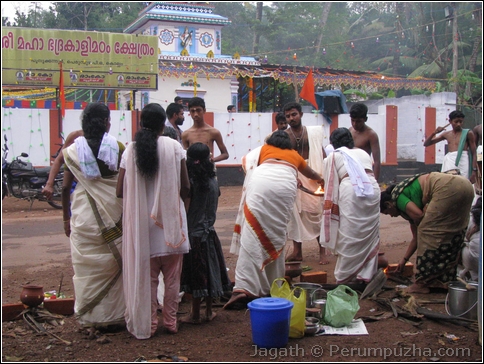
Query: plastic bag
x,y
298,312
341,306
282,290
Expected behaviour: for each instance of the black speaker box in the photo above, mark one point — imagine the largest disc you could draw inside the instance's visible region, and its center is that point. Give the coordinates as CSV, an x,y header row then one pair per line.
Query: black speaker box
x,y
331,105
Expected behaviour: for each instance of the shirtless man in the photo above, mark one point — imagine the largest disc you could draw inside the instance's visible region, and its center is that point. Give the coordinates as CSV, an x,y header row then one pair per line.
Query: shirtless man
x,y
305,224
365,137
478,133
202,132
453,137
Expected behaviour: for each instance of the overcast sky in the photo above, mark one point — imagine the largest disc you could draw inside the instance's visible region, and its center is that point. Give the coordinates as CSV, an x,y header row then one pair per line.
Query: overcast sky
x,y
9,7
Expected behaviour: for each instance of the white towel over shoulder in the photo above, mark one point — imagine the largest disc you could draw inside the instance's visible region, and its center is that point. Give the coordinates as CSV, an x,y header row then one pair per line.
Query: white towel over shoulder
x,y
108,153
359,179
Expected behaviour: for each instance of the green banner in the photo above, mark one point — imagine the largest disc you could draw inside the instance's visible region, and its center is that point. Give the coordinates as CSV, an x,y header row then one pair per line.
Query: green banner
x,y
32,57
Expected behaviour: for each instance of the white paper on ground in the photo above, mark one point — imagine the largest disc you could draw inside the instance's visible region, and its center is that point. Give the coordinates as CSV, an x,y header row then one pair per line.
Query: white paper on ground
x,y
356,327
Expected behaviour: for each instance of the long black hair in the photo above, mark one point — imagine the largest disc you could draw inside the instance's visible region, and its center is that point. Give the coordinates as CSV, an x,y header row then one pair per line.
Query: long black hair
x,y
94,122
200,167
153,118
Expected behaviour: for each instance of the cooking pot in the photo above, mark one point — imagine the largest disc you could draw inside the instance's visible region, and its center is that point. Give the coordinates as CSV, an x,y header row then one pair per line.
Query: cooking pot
x,y
309,288
318,300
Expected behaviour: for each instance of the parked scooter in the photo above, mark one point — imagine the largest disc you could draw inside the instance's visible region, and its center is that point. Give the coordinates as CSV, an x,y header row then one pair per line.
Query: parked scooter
x,y
21,180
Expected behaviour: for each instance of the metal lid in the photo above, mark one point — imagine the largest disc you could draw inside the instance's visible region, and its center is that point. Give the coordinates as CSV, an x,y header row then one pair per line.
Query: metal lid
x,y
307,285
320,301
270,303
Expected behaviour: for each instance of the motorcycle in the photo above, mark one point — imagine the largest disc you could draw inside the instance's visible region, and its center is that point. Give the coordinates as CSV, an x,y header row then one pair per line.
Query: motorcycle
x,y
21,180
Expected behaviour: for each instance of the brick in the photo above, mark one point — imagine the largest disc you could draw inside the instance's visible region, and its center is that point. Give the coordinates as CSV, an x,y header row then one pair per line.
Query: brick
x,y
407,271
318,277
11,311
60,306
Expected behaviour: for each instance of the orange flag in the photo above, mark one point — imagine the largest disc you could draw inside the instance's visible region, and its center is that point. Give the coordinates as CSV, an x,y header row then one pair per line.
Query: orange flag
x,y
62,95
307,91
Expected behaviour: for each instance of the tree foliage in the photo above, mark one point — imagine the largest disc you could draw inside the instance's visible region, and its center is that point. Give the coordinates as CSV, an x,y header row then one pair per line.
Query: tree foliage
x,y
404,39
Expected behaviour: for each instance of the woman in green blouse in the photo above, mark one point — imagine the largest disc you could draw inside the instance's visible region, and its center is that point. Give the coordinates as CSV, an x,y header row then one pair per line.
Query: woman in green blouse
x,y
437,206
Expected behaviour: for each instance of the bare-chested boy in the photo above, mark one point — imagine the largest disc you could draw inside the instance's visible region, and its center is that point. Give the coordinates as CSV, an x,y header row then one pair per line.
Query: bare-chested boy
x,y
202,132
365,137
456,158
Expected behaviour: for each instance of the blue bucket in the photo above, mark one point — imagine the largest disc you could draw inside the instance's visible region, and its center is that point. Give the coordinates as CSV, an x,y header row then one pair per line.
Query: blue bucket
x,y
270,319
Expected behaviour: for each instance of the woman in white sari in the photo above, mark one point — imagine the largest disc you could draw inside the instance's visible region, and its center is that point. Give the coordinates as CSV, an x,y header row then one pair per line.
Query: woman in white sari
x,y
92,220
351,215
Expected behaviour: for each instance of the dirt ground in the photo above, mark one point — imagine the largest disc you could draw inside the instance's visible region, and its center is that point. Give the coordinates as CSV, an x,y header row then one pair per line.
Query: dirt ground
x,y
228,338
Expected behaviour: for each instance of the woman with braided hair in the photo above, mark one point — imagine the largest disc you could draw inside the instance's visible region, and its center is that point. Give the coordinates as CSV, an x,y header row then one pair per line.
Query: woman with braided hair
x,y
92,220
153,182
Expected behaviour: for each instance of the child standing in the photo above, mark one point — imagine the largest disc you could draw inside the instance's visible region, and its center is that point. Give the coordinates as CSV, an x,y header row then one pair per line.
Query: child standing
x,y
204,273
462,146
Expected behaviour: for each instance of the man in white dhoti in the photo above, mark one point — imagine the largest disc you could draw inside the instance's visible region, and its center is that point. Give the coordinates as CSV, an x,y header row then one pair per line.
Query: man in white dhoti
x,y
267,200
351,216
305,222
92,220
461,146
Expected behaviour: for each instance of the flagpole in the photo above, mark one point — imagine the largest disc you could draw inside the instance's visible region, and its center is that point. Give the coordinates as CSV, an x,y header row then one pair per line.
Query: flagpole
x,y
62,98
295,83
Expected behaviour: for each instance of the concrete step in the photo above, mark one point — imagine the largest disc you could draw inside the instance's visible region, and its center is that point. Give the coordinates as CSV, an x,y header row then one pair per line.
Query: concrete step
x,y
406,168
406,163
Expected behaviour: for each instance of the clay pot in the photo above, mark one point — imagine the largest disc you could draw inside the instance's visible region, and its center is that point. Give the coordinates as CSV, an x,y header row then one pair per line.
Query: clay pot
x,y
32,296
293,269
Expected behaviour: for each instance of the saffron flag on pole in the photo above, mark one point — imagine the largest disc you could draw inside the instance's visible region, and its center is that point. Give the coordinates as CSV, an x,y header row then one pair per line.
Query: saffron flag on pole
x,y
307,91
62,95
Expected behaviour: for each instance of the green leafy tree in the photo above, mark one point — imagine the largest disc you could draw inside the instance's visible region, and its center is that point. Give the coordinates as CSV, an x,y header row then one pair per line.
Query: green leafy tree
x,y
239,35
100,16
404,39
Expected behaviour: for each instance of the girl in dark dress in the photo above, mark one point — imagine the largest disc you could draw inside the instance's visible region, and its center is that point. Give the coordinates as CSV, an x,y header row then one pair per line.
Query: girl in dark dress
x,y
204,271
